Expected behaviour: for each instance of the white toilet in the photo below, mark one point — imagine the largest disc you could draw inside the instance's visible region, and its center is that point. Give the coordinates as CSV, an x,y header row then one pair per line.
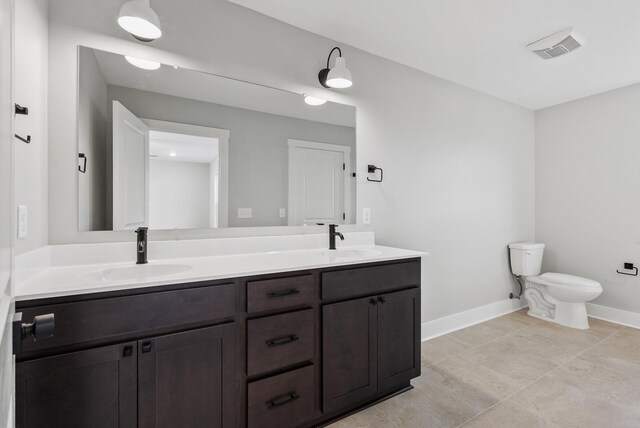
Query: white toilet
x,y
556,297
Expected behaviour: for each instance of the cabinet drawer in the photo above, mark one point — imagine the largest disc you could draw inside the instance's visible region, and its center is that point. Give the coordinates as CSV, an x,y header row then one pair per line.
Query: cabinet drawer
x,y
279,293
285,400
364,281
279,341
128,316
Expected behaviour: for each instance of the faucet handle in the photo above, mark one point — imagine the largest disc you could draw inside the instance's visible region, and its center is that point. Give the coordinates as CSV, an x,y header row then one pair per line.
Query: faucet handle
x,y
142,229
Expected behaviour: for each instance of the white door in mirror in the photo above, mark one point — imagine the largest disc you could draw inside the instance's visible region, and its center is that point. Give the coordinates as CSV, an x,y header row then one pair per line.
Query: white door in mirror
x,y
130,170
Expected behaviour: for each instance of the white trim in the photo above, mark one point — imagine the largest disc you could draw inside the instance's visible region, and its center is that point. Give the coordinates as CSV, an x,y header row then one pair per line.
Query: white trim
x,y
451,323
346,150
618,316
223,136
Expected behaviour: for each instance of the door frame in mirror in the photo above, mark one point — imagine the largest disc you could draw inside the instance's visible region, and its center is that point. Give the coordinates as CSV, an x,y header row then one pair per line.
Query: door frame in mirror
x,y
223,155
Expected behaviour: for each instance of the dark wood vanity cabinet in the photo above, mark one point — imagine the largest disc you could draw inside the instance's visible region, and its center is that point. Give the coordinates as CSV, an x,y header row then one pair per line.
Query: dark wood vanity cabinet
x,y
370,345
285,350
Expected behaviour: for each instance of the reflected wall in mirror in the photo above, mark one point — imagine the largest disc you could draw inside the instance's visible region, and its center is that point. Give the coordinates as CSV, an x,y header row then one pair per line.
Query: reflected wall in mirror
x,y
175,148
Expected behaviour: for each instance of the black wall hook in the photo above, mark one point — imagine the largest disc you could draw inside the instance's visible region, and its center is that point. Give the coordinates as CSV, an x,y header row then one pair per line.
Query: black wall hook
x,y
26,140
371,169
83,168
21,110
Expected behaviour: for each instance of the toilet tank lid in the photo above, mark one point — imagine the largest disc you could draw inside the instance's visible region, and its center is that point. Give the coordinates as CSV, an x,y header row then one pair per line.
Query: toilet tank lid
x,y
526,245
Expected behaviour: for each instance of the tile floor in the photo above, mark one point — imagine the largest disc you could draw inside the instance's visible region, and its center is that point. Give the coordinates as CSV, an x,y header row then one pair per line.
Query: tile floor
x,y
518,371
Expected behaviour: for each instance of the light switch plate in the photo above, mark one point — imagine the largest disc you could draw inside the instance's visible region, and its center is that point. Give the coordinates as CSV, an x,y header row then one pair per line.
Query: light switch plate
x,y
22,221
283,213
366,216
244,213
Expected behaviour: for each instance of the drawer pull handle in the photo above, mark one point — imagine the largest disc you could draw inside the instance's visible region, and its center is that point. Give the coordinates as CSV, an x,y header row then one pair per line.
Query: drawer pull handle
x,y
283,400
283,293
282,340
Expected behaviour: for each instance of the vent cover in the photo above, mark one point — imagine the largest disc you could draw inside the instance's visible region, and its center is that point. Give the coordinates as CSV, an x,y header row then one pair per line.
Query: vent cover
x,y
557,44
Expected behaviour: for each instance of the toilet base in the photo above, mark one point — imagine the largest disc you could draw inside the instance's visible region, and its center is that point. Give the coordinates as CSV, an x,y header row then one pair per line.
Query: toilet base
x,y
545,307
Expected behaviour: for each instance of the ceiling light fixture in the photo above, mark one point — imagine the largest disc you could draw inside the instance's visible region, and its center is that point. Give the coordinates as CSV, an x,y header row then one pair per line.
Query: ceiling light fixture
x,y
144,64
314,101
172,154
137,18
339,76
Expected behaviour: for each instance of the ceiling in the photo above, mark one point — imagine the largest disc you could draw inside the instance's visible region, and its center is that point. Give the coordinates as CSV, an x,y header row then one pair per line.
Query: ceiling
x,y
182,148
482,44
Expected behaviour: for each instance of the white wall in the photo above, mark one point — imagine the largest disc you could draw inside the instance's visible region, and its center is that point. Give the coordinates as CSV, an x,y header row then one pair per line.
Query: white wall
x,y
93,109
30,90
587,176
178,194
458,164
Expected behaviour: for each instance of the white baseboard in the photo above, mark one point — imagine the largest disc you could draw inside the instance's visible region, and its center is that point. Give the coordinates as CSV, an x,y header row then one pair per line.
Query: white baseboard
x,y
618,316
448,324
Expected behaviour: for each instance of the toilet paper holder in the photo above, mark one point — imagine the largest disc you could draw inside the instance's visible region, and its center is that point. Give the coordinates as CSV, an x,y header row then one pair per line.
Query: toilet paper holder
x,y
629,266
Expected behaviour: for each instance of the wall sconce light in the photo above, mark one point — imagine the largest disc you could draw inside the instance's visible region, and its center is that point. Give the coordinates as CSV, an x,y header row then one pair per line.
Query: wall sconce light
x,y
314,101
339,76
139,20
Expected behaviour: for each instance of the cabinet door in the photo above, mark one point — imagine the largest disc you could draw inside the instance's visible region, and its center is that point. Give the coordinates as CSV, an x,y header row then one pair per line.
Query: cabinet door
x,y
94,388
188,379
348,353
398,338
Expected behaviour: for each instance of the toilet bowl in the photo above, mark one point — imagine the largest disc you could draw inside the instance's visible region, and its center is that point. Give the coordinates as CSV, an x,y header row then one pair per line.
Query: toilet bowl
x,y
555,297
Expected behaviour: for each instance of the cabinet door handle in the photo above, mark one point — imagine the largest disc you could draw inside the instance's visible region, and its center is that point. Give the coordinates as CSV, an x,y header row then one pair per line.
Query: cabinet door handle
x,y
42,327
146,347
127,351
283,293
381,299
282,340
283,400
373,301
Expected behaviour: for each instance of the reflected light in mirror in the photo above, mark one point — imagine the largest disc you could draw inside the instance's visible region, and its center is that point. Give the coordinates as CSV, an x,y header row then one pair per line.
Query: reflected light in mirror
x,y
137,18
145,64
314,101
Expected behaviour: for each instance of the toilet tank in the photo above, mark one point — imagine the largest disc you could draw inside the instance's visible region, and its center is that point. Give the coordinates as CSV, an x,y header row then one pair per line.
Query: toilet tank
x,y
526,258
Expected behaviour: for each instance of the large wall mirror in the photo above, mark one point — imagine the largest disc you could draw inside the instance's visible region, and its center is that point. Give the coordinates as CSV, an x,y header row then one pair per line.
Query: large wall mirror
x,y
172,148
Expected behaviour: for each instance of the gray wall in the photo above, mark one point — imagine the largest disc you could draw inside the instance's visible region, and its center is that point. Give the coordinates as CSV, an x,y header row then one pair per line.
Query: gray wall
x,y
587,176
92,141
459,164
258,150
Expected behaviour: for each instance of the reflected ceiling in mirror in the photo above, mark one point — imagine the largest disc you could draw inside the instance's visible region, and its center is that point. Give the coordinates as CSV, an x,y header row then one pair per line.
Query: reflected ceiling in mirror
x,y
172,148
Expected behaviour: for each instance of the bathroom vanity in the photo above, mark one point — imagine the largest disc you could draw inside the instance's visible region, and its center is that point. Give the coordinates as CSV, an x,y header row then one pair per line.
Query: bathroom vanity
x,y
292,348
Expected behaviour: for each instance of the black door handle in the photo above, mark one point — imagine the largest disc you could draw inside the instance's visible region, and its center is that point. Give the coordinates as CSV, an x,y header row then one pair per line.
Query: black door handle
x,y
282,400
127,351
283,293
381,299
42,327
373,301
146,347
282,340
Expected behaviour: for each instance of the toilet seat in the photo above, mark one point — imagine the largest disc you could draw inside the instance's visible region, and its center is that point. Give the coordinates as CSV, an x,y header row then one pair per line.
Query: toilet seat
x,y
570,283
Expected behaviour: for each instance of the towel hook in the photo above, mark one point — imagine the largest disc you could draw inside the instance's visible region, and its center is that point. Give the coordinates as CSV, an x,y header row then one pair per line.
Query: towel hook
x,y
83,168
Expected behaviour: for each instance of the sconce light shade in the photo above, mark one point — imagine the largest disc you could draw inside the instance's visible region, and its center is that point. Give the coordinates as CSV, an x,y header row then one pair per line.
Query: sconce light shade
x,y
137,18
144,64
314,101
339,76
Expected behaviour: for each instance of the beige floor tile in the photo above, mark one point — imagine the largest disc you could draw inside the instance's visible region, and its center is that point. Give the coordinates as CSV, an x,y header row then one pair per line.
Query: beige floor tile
x,y
472,383
507,324
422,408
478,334
556,345
512,357
440,348
603,328
508,415
567,406
625,343
368,418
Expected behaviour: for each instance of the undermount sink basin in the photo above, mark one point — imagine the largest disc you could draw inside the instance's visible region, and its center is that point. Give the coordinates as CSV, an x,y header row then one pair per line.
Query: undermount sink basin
x,y
139,272
351,253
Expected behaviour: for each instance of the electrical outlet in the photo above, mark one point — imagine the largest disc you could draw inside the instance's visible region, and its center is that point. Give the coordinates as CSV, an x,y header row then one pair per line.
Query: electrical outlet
x,y
22,221
366,216
244,213
283,213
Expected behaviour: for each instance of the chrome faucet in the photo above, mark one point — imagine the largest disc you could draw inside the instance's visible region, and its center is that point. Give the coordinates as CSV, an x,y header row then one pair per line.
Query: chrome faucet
x,y
332,236
141,246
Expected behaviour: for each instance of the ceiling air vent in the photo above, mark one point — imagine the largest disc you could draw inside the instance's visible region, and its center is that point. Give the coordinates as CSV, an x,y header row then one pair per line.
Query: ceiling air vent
x,y
557,44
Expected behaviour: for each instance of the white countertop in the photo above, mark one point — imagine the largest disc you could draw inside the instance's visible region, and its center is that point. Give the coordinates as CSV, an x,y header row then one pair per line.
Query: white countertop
x,y
67,280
